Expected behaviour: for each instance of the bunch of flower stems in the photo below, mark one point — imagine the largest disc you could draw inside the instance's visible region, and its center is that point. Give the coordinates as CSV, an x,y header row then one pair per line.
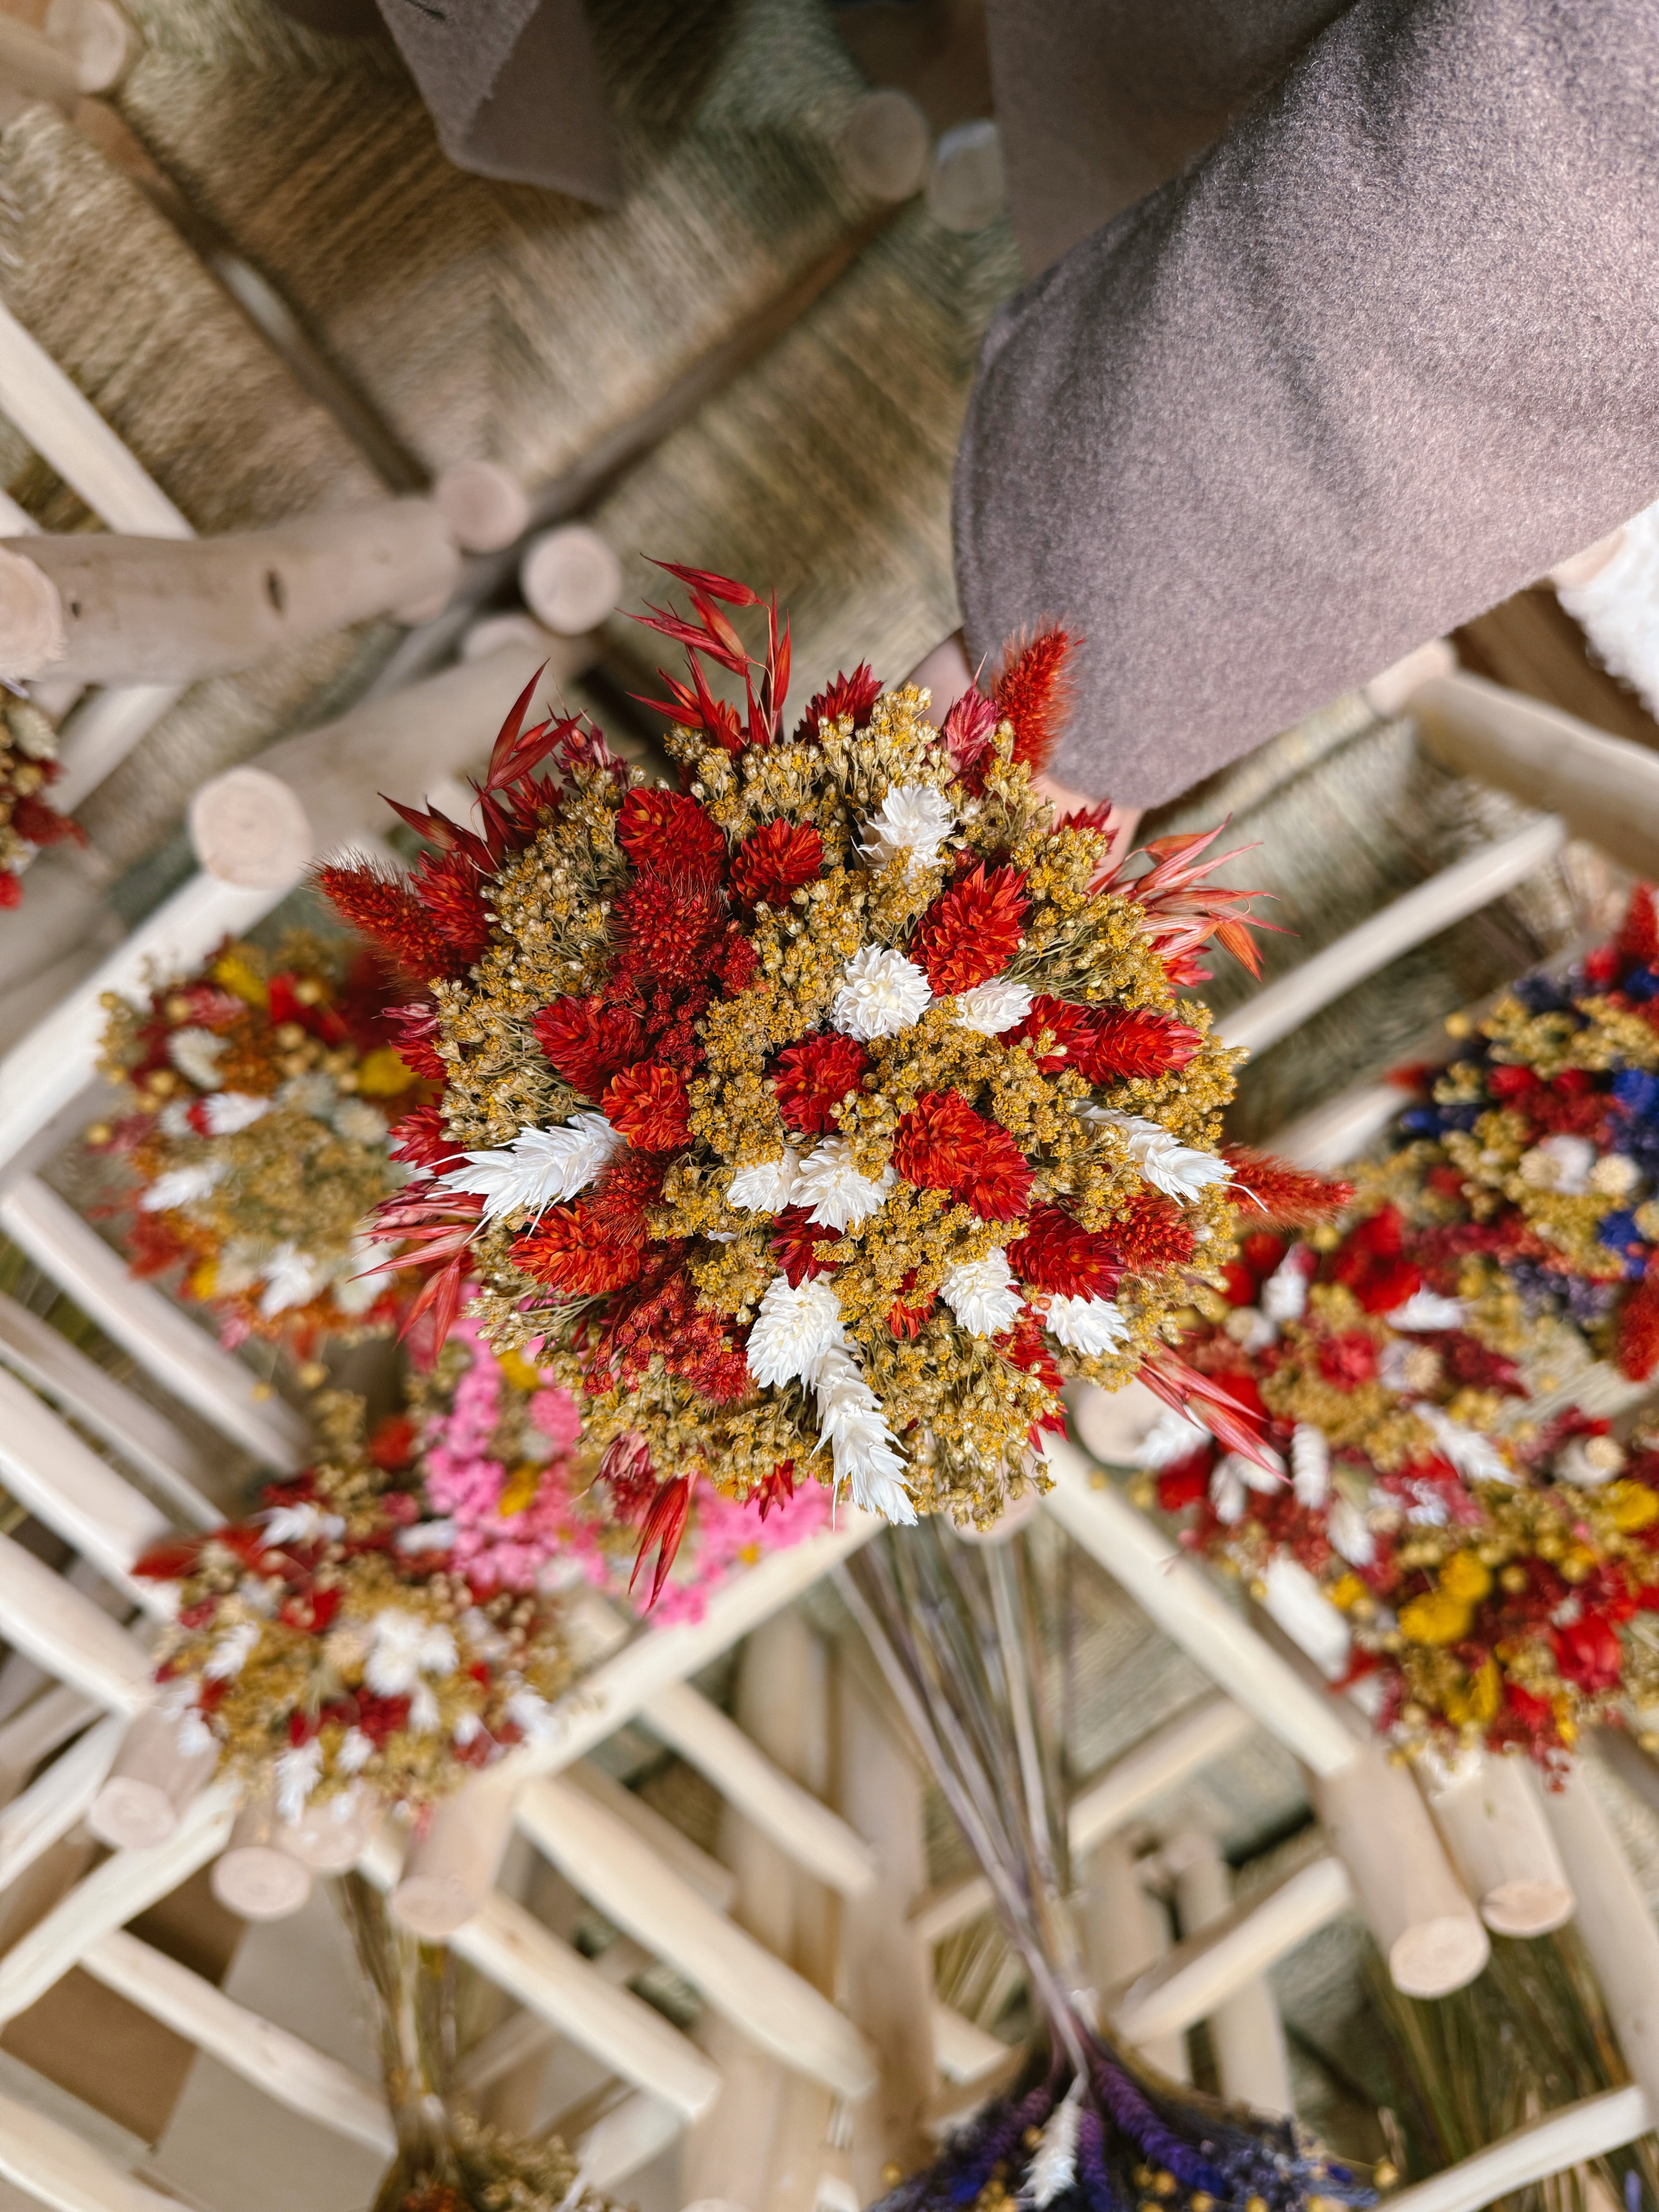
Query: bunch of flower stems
x,y
1086,2126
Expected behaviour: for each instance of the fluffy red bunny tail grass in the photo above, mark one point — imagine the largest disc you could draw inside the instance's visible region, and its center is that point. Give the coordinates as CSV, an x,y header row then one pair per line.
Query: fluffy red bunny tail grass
x,y
1034,692
383,908
1638,1332
1288,1197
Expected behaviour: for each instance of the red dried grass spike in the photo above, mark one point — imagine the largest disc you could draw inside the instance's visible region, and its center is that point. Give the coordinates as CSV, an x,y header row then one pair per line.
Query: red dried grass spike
x,y
383,908
1233,1422
1638,1332
1058,1254
647,1104
578,1249
1638,938
588,1043
794,1237
1034,693
672,834
1153,1234
1114,1047
665,1526
1289,1197
43,825
972,932
774,860
814,1076
942,1144
855,695
448,887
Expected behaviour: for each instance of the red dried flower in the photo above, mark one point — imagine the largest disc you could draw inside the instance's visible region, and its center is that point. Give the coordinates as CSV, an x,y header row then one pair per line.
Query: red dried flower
x,y
664,1527
966,731
671,835
815,1075
447,886
1066,1026
588,1042
1114,1048
1025,1347
384,909
414,1031
664,932
581,1250
972,933
1587,1652
41,824
1348,1359
1154,1233
1059,1253
1289,1197
855,695
1638,1332
1034,693
1638,939
420,1139
795,1239
942,1144
774,860
647,1104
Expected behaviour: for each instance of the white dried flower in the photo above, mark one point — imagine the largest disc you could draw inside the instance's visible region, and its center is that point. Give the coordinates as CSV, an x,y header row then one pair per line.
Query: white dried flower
x,y
1616,1176
296,1772
292,1278
1087,1325
302,1523
862,1445
1052,2169
1179,1170
1427,1309
313,1094
357,1281
881,994
1285,1293
767,1187
193,1736
981,1293
1175,1435
1232,1478
403,1646
793,1328
1589,1461
426,1536
1250,1328
228,1111
1310,1464
355,1751
359,1123
195,1053
232,1652
531,1713
913,818
538,1167
990,1008
1476,1458
184,1186
1561,1163
1350,1534
832,1188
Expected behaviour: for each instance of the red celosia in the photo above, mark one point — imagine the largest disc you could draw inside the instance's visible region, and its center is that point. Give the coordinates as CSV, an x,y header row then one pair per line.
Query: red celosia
x,y
971,932
659,1318
1372,1265
664,932
671,835
795,1239
581,1250
942,1144
1056,1253
1289,1197
647,1104
386,910
1154,1233
588,1042
812,1077
1113,1047
855,695
1638,1332
774,860
1034,693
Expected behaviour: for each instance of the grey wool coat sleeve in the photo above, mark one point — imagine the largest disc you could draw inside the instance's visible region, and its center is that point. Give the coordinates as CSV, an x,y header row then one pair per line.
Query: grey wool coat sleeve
x,y
1382,356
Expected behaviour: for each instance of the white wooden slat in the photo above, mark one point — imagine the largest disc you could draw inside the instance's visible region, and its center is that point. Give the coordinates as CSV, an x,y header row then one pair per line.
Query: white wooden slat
x,y
35,1731
1559,2139
44,1814
180,1355
1449,897
286,2067
43,1616
67,1487
49,2162
775,2007
97,736
142,1435
629,2137
126,1884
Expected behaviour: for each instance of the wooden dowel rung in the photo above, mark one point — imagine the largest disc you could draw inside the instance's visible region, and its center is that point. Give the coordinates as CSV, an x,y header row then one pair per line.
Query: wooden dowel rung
x,y
38,1729
1567,2137
44,1814
51,2164
69,1489
68,1636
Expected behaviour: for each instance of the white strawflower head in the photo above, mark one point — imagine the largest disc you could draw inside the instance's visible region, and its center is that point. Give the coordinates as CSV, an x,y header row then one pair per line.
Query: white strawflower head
x,y
296,1772
913,818
862,1445
793,1328
292,1278
195,1053
1087,1325
1615,1175
881,994
539,1167
1285,1293
184,1186
403,1647
1427,1309
1175,1435
1179,1170
1563,1162
981,1293
990,1008
226,1112
1310,1464
767,1187
1232,1478
836,1194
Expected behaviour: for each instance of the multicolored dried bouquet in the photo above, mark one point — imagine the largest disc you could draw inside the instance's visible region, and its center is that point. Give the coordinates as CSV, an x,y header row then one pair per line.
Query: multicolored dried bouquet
x,y
824,1114
29,768
338,1638
1431,1377
260,1096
